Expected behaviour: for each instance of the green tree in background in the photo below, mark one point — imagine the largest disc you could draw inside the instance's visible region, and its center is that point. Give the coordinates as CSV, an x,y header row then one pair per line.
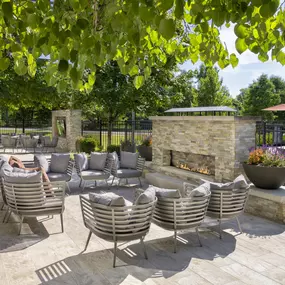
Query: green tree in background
x,y
259,95
210,88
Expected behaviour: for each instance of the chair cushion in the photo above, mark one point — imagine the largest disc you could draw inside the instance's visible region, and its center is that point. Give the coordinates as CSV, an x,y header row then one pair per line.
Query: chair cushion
x,y
23,178
94,175
4,158
81,160
59,162
5,167
128,173
146,197
200,191
41,161
129,160
166,193
107,199
98,160
53,176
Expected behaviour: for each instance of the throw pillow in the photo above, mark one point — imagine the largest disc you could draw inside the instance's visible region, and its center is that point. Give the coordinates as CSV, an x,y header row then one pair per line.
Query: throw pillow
x,y
3,158
166,193
107,199
5,167
23,178
41,161
240,183
129,160
98,160
200,191
81,160
59,162
146,197
219,186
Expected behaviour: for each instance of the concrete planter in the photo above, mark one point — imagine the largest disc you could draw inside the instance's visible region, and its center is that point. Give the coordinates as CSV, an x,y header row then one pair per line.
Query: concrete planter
x,y
145,152
265,177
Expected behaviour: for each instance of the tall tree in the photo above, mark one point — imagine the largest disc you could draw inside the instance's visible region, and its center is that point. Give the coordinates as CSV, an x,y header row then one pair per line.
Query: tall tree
x,y
260,95
210,89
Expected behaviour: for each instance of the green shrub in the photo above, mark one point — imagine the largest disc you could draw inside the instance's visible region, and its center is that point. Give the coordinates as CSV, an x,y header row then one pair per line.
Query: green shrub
x,y
113,147
87,144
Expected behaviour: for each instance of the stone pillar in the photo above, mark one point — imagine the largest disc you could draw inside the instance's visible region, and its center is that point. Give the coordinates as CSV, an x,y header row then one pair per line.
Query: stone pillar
x,y
245,132
72,119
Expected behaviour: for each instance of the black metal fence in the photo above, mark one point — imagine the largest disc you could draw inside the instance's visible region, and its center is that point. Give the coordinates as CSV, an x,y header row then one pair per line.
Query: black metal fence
x,y
118,131
270,133
25,127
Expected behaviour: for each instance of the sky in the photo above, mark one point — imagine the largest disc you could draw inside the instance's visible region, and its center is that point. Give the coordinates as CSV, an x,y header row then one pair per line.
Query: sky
x,y
248,69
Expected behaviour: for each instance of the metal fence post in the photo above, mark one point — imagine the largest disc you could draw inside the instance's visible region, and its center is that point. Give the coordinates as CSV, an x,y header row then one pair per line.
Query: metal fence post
x,y
100,132
264,133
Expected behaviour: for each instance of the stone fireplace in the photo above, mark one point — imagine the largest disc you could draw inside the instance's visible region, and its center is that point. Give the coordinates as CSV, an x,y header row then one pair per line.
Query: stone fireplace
x,y
219,143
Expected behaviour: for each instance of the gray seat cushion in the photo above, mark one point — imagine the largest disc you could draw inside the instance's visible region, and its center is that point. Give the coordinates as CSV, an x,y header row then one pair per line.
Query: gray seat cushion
x,y
107,199
59,162
53,176
98,160
128,173
129,160
41,161
94,175
81,160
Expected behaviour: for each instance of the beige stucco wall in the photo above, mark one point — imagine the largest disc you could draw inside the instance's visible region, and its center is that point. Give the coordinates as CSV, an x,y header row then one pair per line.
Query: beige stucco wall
x,y
228,138
73,128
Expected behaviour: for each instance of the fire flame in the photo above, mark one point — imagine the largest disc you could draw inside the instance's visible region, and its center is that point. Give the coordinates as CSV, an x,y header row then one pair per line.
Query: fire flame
x,y
199,170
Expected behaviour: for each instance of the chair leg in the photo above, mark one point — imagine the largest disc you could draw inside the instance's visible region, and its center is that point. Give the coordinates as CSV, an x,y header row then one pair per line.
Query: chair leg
x,y
88,239
240,229
68,189
197,231
140,181
175,241
21,223
115,252
107,184
220,228
95,183
144,249
2,206
6,214
61,221
83,186
112,180
127,181
80,182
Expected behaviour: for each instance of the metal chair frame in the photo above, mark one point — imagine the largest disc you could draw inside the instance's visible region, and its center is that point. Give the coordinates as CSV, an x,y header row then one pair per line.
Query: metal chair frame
x,y
35,199
117,223
181,214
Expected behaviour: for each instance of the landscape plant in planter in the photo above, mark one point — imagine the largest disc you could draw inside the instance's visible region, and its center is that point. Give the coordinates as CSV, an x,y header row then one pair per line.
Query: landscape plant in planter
x,y
145,149
265,167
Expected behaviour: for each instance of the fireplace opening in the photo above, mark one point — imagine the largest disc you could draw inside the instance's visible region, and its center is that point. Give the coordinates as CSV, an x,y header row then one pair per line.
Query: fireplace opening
x,y
204,164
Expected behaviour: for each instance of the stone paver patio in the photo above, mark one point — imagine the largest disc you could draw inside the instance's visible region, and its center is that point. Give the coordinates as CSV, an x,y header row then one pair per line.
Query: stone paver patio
x,y
44,255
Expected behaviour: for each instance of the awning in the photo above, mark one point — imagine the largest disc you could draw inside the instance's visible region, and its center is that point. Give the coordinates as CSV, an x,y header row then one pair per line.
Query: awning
x,y
280,107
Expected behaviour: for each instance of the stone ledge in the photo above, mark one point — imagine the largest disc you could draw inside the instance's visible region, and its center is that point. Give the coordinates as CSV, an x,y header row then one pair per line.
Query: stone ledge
x,y
277,195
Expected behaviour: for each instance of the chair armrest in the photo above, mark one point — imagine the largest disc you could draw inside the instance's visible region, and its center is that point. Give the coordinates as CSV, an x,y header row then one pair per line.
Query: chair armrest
x,y
77,168
70,168
140,164
109,165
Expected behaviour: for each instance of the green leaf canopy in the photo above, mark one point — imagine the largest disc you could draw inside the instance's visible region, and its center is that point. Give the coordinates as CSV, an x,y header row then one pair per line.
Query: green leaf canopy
x,y
80,35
